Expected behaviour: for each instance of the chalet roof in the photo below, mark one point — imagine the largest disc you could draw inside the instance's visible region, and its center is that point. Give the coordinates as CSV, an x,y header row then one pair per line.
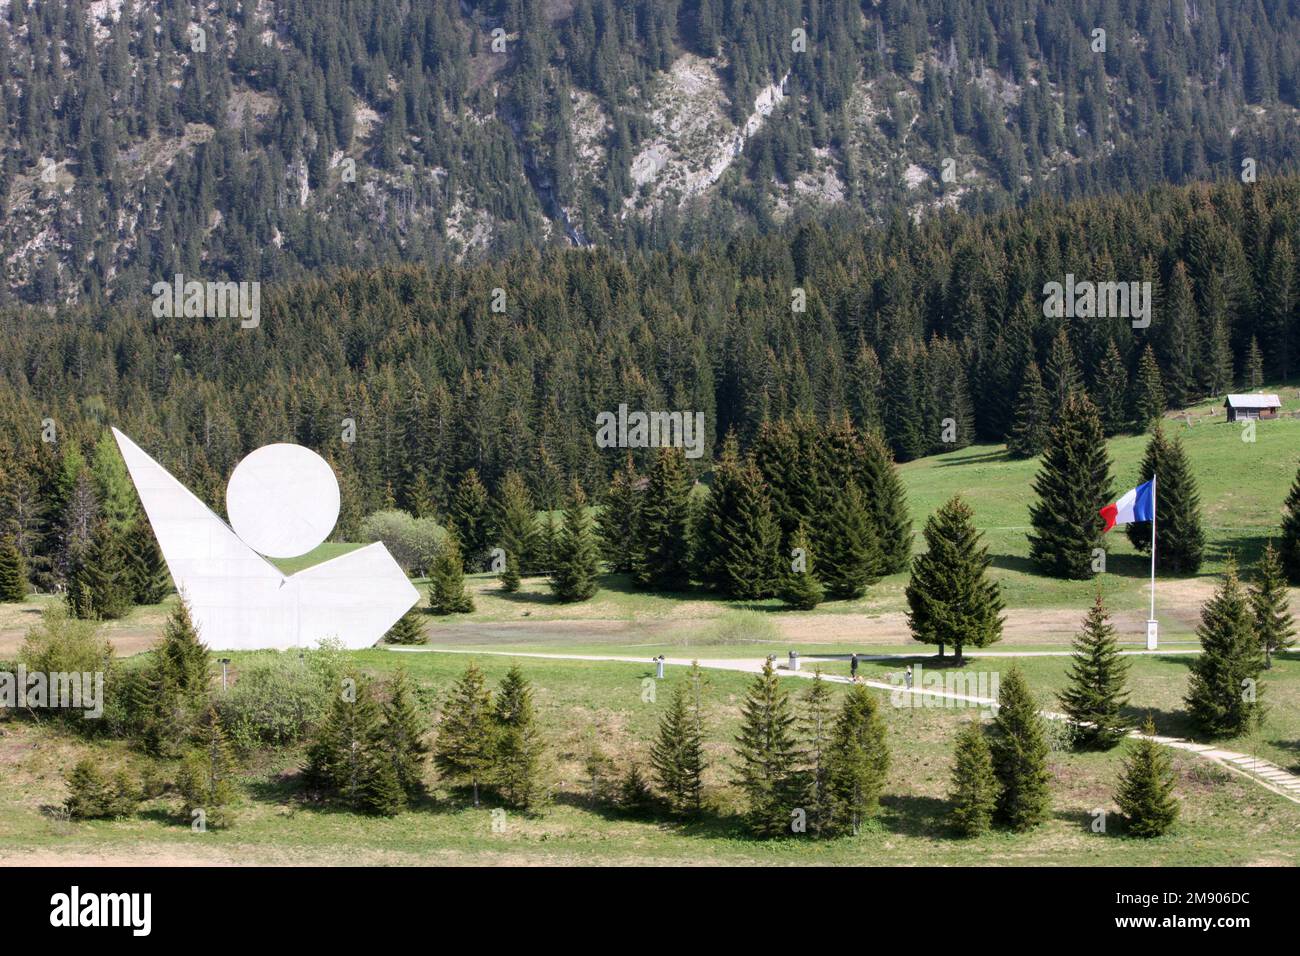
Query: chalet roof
x,y
1253,401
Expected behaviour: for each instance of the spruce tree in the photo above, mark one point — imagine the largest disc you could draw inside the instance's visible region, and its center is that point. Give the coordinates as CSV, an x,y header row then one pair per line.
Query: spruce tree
x,y
800,587
576,562
548,536
516,525
634,794
1290,549
407,629
877,477
1224,692
677,756
951,599
1145,794
663,544
471,516
767,756
347,757
206,777
1062,377
174,689
1073,485
1112,391
1180,541
463,748
974,790
13,572
447,591
815,725
1270,605
739,535
1096,695
857,762
846,541
1019,749
146,571
402,731
1149,391
517,744
1033,416
94,795
1254,377
618,518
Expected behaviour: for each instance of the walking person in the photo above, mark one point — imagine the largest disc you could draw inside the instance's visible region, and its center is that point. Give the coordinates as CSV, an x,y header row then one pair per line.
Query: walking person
x,y
853,667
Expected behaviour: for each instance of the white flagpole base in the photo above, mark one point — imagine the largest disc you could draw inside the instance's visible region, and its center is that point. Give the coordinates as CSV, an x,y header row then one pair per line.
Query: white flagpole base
x,y
1152,629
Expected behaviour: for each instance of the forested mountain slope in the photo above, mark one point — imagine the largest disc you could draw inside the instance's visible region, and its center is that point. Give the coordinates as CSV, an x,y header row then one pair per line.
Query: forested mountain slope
x,y
261,140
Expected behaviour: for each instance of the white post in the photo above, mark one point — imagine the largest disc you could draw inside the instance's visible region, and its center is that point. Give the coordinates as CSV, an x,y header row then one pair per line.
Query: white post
x,y
1152,626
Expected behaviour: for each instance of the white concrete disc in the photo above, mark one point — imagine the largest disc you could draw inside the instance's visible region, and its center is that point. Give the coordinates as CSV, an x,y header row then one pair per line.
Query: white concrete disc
x,y
283,500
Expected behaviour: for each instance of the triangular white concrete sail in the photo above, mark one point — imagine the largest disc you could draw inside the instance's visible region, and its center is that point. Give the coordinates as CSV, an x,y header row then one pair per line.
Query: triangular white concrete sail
x,y
239,600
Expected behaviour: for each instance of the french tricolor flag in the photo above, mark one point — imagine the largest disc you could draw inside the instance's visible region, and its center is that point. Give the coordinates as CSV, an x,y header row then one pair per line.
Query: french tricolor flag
x,y
1135,505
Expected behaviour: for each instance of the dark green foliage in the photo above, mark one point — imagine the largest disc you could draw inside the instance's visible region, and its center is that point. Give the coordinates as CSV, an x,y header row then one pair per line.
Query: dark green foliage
x,y
951,599
13,572
1149,392
408,629
463,749
856,763
800,587
815,726
206,777
848,546
146,572
98,582
678,753
93,795
974,789
402,732
576,561
738,536
348,758
1073,485
1180,541
1269,602
1019,748
1253,379
1096,694
1223,692
1033,416
516,524
471,517
663,544
447,591
1112,391
517,744
767,756
877,477
1145,794
618,519
1290,549
174,689
634,795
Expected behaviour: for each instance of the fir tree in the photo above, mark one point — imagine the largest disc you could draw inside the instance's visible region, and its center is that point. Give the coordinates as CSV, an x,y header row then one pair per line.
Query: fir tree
x,y
1019,749
13,572
402,732
850,552
1112,391
634,794
447,591
1096,695
407,629
1033,416
146,571
738,535
815,724
1145,794
677,757
974,790
1073,485
548,537
576,561
856,763
516,525
877,477
1253,380
94,795
1062,378
348,759
951,599
1223,692
1269,603
767,757
1181,541
174,688
471,516
516,742
206,777
1149,391
800,587
663,544
1290,549
463,749
618,518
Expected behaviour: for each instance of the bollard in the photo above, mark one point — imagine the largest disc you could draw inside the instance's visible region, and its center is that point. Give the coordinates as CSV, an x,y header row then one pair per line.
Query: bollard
x,y
794,660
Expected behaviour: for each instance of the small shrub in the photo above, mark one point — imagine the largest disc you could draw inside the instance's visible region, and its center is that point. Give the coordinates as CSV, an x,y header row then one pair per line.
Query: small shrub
x,y
94,795
277,697
413,542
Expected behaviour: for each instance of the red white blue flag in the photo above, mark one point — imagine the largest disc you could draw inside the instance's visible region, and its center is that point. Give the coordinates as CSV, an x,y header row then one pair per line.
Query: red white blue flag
x,y
1135,505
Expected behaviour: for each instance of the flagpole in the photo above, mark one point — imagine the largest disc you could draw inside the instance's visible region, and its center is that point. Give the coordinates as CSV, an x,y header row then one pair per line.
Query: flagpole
x,y
1153,545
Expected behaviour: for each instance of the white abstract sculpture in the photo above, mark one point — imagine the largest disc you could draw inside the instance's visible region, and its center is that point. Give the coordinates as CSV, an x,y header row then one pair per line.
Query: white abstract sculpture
x,y
283,501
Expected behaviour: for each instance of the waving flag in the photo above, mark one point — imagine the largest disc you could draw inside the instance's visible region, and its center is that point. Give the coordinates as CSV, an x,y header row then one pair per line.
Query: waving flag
x,y
1135,505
